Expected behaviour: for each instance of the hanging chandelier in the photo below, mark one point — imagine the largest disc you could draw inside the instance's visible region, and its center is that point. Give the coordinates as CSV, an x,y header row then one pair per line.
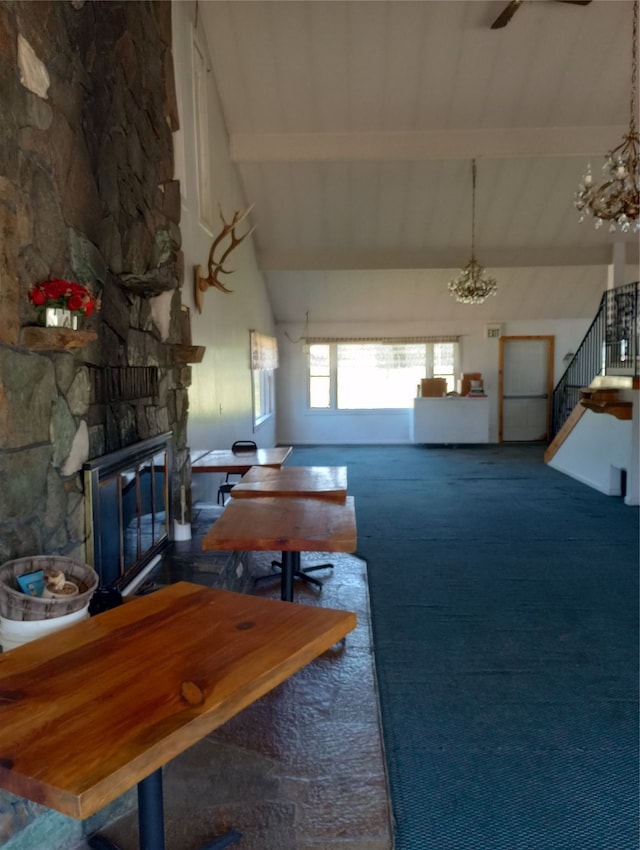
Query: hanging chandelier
x,y
472,284
617,199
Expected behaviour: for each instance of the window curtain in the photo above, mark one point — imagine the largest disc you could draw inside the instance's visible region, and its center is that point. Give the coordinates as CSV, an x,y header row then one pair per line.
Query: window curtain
x,y
264,352
381,353
382,340
375,356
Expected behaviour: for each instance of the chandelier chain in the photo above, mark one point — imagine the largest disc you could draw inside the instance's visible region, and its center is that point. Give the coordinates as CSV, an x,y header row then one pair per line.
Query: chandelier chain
x,y
472,285
473,209
634,69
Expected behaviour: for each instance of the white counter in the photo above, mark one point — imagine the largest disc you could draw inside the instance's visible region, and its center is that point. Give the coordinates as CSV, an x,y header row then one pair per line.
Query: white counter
x,y
451,420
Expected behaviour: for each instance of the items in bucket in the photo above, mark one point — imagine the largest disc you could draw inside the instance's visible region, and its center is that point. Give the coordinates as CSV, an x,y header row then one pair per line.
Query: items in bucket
x,y
47,584
32,583
57,585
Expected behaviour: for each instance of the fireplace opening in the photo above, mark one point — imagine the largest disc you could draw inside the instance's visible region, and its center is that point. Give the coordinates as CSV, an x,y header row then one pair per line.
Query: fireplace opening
x,y
127,495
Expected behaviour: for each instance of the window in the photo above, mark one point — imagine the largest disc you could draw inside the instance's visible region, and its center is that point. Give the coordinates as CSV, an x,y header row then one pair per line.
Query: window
x,y
444,357
369,375
319,376
263,395
179,170
264,362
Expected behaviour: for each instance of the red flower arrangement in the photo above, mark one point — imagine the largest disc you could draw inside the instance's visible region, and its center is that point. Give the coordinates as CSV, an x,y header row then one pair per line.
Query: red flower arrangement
x,y
63,294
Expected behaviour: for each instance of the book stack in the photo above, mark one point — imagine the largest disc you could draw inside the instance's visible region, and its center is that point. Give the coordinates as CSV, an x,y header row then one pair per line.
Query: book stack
x,y
476,390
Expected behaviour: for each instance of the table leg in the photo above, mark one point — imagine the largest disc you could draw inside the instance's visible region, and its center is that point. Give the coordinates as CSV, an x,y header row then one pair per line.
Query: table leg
x,y
151,812
290,566
151,821
291,569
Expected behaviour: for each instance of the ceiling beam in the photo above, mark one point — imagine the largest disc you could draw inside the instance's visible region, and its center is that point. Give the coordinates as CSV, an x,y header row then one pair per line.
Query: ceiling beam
x,y
434,144
491,258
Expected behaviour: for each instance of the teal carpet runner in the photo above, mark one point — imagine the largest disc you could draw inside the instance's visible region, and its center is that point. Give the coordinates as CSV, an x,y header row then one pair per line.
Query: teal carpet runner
x,y
504,601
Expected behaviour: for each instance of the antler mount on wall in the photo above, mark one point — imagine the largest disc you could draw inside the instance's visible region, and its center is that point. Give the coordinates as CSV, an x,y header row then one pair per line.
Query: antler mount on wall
x,y
216,266
513,5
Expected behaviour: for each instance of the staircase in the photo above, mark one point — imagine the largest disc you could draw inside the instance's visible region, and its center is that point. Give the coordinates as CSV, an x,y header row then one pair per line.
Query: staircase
x,y
602,451
609,352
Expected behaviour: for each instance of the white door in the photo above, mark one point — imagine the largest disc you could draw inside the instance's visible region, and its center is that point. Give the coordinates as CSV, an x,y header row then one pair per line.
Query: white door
x,y
526,384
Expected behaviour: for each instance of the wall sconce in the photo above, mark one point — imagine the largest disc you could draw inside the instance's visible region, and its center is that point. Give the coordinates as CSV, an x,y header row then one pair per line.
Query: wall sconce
x,y
568,357
216,267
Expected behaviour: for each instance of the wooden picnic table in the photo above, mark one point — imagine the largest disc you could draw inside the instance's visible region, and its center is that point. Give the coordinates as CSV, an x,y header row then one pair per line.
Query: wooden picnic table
x,y
324,482
102,705
224,460
285,524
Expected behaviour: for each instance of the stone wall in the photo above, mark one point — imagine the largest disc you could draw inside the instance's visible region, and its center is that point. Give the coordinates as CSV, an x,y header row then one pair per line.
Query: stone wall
x,y
86,194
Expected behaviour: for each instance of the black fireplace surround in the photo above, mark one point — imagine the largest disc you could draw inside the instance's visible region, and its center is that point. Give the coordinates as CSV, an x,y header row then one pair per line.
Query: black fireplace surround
x,y
127,499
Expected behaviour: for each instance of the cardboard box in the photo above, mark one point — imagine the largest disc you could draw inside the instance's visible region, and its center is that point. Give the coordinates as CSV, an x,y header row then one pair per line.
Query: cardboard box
x,y
433,387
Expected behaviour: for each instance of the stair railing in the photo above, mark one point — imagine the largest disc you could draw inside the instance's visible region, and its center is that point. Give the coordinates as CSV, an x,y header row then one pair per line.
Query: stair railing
x,y
610,347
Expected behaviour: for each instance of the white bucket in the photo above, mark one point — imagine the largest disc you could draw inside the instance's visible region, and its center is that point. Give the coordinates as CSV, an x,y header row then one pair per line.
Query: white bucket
x,y
14,633
181,530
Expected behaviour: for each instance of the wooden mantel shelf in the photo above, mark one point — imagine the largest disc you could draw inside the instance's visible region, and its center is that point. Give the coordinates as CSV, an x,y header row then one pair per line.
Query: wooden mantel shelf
x,y
188,353
54,339
37,338
605,400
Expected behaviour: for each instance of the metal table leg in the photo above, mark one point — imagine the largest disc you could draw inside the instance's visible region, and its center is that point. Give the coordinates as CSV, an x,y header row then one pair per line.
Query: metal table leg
x,y
290,569
151,812
290,566
151,821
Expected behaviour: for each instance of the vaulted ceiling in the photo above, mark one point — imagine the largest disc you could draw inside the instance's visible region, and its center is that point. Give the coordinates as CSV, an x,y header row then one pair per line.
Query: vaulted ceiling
x,y
353,126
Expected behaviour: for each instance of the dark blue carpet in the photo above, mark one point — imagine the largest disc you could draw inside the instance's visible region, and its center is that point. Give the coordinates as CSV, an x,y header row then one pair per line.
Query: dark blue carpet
x,y
504,600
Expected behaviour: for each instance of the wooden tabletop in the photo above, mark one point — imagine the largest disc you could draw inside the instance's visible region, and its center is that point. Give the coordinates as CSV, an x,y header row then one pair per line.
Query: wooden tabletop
x,y
224,460
89,711
325,482
287,525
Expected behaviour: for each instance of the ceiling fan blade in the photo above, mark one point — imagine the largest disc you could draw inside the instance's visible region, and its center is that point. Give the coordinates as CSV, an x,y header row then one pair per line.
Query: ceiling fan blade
x,y
512,7
505,16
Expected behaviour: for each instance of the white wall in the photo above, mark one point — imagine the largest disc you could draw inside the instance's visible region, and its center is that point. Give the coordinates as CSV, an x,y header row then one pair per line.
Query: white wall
x,y
220,398
298,425
599,447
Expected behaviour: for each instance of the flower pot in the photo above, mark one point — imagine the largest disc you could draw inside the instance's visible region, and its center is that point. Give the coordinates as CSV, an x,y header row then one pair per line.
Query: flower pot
x,y
57,317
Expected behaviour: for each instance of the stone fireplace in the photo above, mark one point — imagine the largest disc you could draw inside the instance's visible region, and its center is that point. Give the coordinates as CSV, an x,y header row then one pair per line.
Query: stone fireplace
x,y
87,194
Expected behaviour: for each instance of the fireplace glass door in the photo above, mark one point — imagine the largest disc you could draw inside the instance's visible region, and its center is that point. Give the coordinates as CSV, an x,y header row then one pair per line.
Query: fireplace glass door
x,y
127,509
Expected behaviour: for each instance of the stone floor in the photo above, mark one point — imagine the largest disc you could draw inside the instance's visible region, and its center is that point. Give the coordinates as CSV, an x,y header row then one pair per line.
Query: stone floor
x,y
301,769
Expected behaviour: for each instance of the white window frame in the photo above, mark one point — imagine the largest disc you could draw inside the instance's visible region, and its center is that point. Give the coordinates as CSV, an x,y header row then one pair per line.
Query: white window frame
x,y
179,166
333,382
333,369
263,356
263,396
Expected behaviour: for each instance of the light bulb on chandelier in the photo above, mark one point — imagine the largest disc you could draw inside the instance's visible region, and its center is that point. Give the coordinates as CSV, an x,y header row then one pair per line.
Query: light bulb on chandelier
x,y
472,285
617,198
